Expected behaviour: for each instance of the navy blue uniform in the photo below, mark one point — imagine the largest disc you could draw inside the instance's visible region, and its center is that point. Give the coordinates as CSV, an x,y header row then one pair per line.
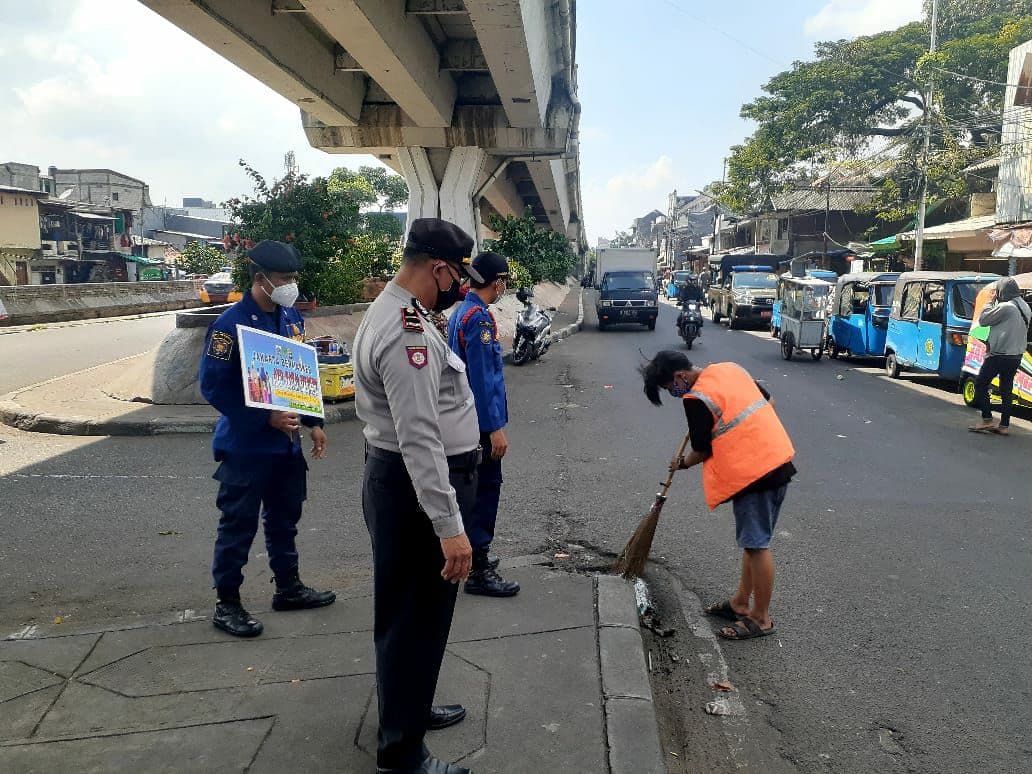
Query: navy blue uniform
x,y
473,336
262,470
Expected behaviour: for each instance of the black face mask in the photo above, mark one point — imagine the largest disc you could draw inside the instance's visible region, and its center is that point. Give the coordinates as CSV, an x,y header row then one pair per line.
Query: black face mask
x,y
446,298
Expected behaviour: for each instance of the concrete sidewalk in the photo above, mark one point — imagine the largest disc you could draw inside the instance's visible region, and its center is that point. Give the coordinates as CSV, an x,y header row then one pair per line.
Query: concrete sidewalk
x,y
79,404
554,681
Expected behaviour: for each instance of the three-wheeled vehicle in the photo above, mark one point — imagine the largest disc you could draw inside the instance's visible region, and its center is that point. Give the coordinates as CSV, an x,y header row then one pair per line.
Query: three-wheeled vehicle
x,y
804,316
775,311
677,281
930,319
860,319
976,351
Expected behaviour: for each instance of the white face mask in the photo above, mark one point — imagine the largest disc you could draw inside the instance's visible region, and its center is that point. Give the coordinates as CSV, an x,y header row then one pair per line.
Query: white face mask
x,y
283,295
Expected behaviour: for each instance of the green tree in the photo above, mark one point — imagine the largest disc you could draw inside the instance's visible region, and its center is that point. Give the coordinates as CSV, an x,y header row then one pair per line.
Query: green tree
x,y
858,108
544,253
319,222
201,258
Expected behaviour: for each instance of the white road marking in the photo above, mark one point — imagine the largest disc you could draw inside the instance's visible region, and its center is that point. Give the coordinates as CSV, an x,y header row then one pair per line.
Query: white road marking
x,y
100,476
26,633
735,720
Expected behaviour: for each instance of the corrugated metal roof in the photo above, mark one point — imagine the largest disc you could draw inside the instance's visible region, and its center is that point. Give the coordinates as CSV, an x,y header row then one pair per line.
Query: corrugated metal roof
x,y
842,199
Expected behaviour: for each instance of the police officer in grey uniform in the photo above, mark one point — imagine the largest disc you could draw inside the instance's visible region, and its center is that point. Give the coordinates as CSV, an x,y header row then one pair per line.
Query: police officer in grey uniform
x,y
422,452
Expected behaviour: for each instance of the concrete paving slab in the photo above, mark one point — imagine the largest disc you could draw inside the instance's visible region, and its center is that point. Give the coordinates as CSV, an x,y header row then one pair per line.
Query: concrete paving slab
x,y
164,669
616,602
545,709
223,747
344,616
461,682
20,716
550,600
18,679
623,664
60,655
185,697
633,738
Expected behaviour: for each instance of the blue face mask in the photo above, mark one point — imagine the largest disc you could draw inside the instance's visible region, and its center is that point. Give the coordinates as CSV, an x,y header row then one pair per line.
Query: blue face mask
x,y
677,391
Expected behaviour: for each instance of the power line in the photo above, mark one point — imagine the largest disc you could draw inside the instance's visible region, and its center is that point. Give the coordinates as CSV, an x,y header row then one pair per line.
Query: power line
x,y
976,78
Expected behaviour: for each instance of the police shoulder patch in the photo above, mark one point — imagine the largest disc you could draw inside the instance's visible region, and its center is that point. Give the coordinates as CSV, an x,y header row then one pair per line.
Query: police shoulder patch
x,y
410,320
220,346
417,356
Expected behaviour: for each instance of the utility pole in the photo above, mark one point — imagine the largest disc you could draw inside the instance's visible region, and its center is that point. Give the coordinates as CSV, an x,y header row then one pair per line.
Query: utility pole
x,y
827,209
923,204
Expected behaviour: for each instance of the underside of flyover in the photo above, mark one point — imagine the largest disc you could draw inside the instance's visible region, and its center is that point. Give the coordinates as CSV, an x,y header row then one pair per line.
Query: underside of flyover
x,y
473,101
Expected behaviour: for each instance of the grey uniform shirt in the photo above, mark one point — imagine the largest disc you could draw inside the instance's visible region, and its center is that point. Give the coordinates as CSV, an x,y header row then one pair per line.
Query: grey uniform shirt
x,y
411,392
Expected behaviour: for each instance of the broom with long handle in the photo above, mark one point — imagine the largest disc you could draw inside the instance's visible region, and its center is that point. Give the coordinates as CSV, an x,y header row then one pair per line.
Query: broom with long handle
x,y
631,562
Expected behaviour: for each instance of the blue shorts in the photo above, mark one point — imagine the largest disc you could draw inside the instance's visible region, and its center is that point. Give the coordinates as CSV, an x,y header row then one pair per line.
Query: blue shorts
x,y
756,514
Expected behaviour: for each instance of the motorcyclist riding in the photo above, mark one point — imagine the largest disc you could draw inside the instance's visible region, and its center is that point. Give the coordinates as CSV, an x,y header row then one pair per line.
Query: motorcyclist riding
x,y
690,291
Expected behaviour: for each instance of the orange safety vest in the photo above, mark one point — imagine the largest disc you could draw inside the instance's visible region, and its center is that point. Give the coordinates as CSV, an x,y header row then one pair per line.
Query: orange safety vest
x,y
749,440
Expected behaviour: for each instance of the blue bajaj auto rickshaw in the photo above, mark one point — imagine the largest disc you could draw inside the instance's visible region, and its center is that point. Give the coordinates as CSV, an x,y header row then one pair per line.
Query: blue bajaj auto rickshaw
x,y
860,321
930,319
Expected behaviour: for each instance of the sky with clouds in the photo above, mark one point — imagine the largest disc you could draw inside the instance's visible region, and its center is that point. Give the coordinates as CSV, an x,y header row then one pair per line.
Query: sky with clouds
x,y
107,83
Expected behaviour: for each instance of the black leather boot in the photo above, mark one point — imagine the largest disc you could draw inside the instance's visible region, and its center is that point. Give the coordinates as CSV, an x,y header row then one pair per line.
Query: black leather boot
x,y
231,617
292,594
485,580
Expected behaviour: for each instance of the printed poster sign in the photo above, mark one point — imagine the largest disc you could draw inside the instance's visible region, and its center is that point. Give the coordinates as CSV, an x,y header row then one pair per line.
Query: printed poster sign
x,y
279,373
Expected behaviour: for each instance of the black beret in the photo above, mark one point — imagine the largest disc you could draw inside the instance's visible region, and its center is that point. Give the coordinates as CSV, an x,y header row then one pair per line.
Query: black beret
x,y
491,266
444,241
275,256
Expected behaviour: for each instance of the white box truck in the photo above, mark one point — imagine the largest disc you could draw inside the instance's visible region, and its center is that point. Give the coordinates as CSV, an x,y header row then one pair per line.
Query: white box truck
x,y
624,259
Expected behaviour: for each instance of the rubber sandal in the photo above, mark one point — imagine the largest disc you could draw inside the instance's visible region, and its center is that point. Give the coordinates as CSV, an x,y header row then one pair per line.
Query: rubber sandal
x,y
980,429
723,610
1005,432
746,629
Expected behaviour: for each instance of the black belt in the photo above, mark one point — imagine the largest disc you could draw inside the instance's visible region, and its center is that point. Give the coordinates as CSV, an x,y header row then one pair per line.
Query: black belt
x,y
457,463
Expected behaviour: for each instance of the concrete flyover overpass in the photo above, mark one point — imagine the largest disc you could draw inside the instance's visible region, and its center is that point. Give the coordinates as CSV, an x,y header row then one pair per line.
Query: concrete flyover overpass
x,y
473,101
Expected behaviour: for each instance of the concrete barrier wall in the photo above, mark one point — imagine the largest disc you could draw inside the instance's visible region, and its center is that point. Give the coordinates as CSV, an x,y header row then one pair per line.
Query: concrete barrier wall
x,y
32,304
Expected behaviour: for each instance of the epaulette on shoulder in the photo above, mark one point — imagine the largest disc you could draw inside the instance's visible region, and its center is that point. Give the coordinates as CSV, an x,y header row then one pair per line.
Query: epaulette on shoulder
x,y
410,320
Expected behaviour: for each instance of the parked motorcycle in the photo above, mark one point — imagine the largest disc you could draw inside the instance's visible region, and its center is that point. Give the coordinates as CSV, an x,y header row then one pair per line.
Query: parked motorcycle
x,y
689,322
533,330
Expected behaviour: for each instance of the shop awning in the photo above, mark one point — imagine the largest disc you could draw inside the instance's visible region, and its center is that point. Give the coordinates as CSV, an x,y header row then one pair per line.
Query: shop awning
x,y
91,216
145,261
968,227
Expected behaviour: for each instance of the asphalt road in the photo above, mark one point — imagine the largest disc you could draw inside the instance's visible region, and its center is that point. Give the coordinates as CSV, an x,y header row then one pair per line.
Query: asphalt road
x,y
903,602
62,348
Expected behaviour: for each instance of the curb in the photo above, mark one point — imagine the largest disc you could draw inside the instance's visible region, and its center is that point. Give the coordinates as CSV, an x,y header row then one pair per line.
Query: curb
x,y
632,731
17,417
562,333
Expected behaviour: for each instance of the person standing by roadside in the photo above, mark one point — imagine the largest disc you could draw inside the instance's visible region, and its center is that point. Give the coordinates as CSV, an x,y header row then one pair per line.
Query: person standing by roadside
x,y
422,453
746,458
473,336
261,466
1008,319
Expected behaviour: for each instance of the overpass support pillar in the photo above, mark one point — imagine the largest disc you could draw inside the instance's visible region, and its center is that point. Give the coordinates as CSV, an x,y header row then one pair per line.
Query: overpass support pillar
x,y
442,183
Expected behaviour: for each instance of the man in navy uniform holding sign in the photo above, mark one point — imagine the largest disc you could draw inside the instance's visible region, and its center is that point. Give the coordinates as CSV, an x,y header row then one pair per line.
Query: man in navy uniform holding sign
x,y
261,466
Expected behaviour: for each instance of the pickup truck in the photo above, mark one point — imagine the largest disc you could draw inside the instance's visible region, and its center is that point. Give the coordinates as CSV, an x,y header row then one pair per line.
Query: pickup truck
x,y
746,296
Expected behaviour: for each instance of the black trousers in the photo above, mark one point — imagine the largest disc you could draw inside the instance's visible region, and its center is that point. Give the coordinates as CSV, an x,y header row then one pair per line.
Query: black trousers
x,y
1004,366
275,489
412,605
